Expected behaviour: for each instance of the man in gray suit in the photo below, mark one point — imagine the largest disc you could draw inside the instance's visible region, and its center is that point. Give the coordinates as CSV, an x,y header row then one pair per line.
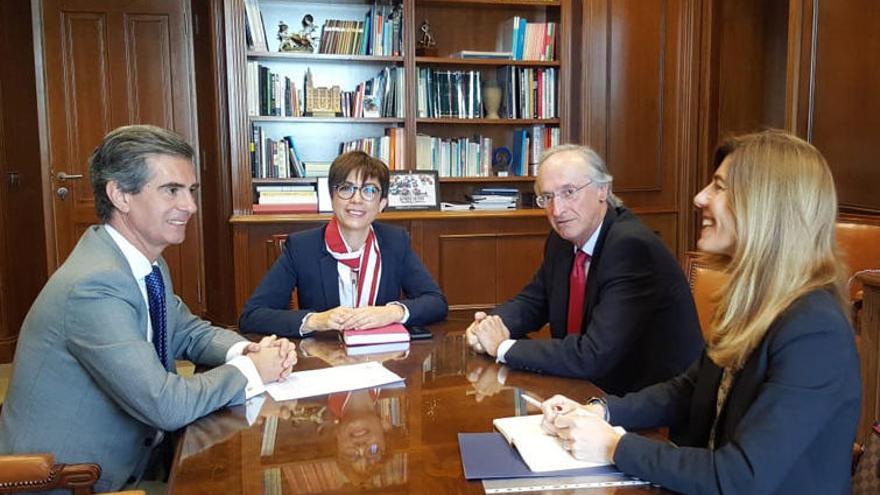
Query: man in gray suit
x,y
93,378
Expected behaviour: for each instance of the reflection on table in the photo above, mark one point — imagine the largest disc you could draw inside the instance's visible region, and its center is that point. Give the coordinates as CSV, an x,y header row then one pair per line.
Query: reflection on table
x,y
394,439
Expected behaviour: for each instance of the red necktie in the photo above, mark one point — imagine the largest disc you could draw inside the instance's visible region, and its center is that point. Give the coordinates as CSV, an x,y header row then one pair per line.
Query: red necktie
x,y
577,286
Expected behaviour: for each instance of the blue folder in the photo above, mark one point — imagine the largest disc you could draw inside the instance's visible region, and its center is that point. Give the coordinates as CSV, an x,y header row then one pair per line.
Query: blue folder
x,y
488,456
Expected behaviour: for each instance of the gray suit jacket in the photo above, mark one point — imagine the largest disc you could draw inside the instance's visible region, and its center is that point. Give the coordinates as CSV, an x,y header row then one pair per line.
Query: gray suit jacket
x,y
86,384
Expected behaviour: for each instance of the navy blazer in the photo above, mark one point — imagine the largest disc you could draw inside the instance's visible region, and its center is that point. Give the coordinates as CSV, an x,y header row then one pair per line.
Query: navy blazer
x,y
640,324
305,265
788,423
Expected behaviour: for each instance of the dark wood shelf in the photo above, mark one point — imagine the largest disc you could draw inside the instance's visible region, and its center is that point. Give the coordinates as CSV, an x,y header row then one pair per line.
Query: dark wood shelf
x,y
290,180
488,121
330,120
491,3
492,180
392,215
491,62
328,57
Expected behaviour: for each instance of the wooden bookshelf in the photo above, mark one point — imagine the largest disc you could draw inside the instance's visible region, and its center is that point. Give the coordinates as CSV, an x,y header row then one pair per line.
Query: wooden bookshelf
x,y
456,24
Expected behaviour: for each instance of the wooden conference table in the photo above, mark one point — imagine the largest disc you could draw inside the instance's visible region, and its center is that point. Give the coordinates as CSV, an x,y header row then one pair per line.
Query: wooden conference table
x,y
393,440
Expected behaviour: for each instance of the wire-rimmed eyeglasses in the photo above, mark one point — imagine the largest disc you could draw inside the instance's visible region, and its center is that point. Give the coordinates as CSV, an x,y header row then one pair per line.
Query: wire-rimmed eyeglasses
x,y
368,191
564,194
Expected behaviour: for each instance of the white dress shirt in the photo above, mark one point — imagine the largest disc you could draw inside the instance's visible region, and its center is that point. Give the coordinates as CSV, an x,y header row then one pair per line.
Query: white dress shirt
x,y
140,268
587,248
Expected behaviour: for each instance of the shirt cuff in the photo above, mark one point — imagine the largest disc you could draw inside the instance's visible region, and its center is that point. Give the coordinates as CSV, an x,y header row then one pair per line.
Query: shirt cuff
x,y
247,367
502,350
302,326
405,310
236,350
502,375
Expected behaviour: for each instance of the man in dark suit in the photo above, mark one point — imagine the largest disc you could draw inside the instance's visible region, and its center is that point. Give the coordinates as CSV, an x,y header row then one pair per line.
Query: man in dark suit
x,y
620,310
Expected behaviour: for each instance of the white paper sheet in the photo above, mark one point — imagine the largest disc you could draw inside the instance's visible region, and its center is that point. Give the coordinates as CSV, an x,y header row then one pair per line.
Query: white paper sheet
x,y
329,380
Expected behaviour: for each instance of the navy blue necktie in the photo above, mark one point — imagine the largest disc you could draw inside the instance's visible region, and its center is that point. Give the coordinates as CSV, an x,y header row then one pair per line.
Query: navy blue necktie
x,y
156,296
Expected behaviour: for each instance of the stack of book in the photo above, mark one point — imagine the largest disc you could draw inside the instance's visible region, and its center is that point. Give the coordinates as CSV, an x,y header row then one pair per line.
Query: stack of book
x,y
495,198
390,338
286,198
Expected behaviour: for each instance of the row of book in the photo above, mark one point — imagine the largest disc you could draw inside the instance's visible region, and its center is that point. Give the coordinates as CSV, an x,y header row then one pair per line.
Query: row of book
x,y
379,34
273,94
528,93
390,148
473,156
455,157
280,159
449,93
273,159
528,147
527,40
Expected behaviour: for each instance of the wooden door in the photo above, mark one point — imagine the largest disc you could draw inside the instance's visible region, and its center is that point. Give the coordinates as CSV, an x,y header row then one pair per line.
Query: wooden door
x,y
108,63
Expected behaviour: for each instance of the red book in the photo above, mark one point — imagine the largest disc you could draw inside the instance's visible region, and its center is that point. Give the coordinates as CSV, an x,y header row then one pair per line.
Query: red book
x,y
394,332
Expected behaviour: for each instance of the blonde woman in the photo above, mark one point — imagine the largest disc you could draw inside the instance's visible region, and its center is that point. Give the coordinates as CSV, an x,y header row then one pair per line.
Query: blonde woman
x,y
772,405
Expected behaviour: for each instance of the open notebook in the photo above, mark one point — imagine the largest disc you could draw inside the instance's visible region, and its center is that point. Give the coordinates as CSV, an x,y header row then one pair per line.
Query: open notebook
x,y
540,450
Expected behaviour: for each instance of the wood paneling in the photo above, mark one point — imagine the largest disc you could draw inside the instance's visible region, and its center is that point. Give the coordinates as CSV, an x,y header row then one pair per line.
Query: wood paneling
x,y
22,239
840,100
638,98
216,166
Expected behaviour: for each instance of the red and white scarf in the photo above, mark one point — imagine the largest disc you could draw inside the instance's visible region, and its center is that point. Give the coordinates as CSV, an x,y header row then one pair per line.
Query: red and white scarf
x,y
365,263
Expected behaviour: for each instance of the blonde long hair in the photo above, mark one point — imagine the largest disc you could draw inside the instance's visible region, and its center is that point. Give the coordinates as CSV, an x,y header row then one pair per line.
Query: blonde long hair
x,y
782,196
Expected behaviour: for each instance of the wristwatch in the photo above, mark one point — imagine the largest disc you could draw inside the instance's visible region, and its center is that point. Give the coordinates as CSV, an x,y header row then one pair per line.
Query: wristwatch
x,y
606,415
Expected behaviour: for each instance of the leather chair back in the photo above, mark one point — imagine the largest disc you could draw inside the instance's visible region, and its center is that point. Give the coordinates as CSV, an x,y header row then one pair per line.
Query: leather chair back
x,y
705,283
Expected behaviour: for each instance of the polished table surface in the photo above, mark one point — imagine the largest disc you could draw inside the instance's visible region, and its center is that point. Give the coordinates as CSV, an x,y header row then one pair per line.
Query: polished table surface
x,y
398,439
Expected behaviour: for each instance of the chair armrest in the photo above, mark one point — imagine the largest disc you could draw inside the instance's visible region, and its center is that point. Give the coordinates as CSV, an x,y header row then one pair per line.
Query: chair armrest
x,y
38,472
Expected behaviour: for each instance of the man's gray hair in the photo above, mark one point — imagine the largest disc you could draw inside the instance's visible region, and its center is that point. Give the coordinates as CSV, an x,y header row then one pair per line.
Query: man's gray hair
x,y
121,158
596,169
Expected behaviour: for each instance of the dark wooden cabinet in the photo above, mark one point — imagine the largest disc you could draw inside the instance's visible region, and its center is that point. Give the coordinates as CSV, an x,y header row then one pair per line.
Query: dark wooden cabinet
x,y
478,259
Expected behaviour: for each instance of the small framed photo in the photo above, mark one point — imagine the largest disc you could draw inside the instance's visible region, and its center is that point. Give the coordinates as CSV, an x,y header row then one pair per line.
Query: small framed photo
x,y
414,190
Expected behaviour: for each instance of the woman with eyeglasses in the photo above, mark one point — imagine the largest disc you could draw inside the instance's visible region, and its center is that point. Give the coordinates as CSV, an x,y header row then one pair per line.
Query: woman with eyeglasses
x,y
349,273
773,403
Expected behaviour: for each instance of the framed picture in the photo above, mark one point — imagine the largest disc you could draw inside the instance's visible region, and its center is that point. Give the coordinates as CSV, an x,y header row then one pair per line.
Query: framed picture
x,y
414,190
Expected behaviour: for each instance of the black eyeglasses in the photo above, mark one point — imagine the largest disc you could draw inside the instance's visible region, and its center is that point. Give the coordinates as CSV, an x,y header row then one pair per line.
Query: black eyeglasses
x,y
564,194
368,191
